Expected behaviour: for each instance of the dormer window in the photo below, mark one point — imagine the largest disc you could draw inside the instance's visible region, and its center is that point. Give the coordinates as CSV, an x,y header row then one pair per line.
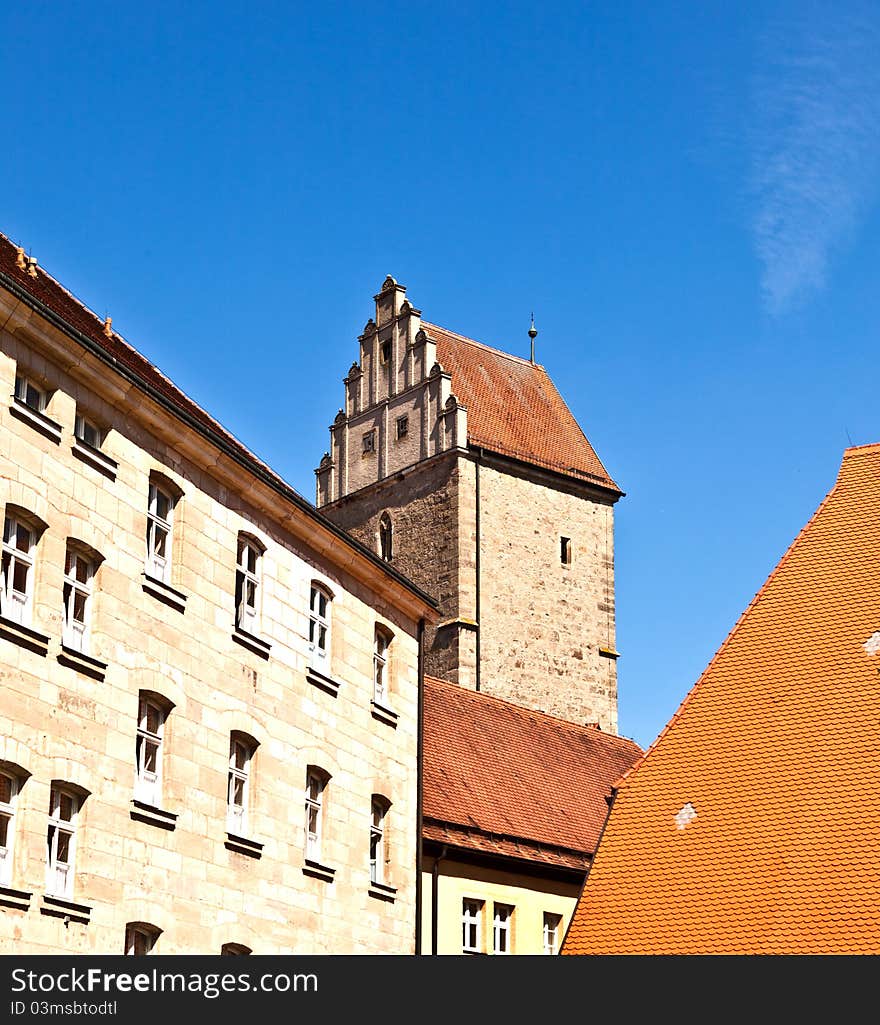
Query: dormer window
x,y
386,537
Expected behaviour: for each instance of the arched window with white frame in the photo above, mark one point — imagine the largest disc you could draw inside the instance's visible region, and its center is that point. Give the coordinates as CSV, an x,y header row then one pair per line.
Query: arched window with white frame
x,y
248,583
379,807
153,713
238,790
64,807
81,564
11,779
381,646
320,604
162,498
21,531
316,786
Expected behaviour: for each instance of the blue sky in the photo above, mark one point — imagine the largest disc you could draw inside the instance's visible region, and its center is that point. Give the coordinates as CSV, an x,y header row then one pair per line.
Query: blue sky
x,y
685,194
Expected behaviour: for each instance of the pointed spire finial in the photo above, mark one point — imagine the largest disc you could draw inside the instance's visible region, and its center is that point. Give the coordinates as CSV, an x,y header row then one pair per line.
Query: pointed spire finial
x,y
533,331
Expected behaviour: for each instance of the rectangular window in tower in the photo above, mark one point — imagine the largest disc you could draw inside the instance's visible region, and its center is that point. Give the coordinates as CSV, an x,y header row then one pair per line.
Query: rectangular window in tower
x,y
369,442
565,551
402,427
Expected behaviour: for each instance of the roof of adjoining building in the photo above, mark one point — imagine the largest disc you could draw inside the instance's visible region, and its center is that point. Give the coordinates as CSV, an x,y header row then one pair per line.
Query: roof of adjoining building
x,y
752,823
59,306
513,408
510,781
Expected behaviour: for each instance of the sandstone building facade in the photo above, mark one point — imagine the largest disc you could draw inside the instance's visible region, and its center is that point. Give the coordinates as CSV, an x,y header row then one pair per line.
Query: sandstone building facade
x,y
463,468
209,711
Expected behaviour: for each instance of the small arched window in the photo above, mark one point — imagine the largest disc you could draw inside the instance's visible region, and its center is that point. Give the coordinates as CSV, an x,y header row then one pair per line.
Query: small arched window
x,y
238,791
386,537
140,938
21,531
80,566
316,787
379,806
247,583
381,647
320,602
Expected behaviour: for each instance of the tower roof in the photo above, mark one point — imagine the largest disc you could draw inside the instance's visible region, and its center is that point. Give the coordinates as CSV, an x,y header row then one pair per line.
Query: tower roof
x,y
752,824
513,408
508,780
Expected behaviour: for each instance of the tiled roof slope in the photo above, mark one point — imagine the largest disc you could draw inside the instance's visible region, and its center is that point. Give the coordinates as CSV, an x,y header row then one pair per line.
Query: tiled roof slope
x,y
777,750
514,408
512,781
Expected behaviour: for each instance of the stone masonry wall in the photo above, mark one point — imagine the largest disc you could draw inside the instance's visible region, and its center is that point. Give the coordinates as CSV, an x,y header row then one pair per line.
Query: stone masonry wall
x,y
542,623
58,722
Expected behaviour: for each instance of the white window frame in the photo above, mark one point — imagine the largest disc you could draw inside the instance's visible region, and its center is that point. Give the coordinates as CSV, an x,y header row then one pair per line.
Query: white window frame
x,y
238,784
378,812
158,565
136,934
316,784
61,840
30,393
247,612
7,814
552,926
319,627
76,631
82,427
502,928
16,604
148,782
381,647
471,925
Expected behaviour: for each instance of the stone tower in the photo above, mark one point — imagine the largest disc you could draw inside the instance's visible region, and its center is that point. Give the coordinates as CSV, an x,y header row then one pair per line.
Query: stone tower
x,y
462,465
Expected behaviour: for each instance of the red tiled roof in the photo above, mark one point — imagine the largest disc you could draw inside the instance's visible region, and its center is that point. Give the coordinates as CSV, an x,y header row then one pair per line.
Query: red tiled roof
x,y
514,781
776,749
514,408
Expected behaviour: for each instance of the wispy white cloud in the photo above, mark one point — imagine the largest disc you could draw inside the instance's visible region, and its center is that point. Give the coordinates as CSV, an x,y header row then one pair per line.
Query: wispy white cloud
x,y
816,143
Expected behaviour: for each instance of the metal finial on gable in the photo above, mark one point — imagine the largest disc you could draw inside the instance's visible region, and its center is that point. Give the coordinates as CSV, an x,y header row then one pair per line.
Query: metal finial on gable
x,y
533,331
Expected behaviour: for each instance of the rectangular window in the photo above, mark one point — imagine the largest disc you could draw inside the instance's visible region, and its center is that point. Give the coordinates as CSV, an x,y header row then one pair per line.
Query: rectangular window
x,y
151,727
8,796
380,667
471,915
565,551
29,394
78,574
385,352
159,512
501,929
17,570
319,628
552,926
60,842
87,432
315,784
237,791
369,442
402,427
247,585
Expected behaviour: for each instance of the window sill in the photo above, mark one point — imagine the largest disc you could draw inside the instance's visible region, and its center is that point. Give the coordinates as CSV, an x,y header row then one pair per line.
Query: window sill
x,y
383,714
24,636
60,907
153,816
39,421
251,642
382,892
318,679
10,898
82,663
319,871
243,846
164,592
95,458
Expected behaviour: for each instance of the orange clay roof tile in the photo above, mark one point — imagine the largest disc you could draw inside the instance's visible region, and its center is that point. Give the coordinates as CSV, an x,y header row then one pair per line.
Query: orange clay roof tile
x,y
513,408
513,781
777,750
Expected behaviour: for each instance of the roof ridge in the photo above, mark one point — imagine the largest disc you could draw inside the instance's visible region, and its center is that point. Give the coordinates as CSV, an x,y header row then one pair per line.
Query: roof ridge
x,y
483,345
581,728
